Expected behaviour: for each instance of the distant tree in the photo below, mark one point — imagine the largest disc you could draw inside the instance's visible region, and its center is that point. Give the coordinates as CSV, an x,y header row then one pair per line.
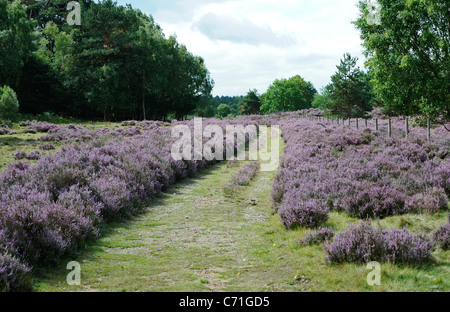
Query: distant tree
x,y
206,107
9,105
288,95
350,91
408,49
322,100
223,110
251,103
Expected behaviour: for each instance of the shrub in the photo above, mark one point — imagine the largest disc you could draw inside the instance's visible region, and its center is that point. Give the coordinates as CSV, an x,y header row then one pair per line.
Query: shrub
x,y
431,201
20,155
295,211
14,275
322,235
47,147
368,201
245,174
35,155
364,243
442,236
9,105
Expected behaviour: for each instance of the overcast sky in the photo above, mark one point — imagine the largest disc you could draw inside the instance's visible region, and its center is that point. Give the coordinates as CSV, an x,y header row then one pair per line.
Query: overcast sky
x,y
247,44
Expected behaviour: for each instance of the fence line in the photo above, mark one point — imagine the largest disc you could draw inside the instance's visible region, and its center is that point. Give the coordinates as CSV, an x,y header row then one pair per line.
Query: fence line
x,y
338,121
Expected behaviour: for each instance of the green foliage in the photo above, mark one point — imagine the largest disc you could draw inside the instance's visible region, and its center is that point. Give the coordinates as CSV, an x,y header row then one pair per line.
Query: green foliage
x,y
409,53
350,90
9,105
15,40
117,64
288,95
322,100
223,110
252,103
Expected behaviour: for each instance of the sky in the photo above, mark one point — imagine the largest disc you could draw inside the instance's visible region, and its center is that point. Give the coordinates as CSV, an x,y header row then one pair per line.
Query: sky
x,y
247,44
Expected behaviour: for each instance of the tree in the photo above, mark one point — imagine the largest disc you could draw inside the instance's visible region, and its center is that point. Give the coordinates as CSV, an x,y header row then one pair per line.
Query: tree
x,y
15,40
252,103
9,105
223,110
322,100
408,51
350,91
288,95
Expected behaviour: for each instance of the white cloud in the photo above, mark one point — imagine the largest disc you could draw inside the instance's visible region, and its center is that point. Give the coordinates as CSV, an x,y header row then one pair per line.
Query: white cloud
x,y
248,44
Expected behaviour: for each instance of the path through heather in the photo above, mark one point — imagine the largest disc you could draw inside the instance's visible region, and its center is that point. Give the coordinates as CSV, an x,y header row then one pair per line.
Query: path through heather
x,y
193,238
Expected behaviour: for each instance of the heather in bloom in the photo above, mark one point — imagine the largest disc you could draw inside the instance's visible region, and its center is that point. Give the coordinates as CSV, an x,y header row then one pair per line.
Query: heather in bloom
x,y
295,211
242,177
14,275
20,155
364,243
321,235
361,172
442,236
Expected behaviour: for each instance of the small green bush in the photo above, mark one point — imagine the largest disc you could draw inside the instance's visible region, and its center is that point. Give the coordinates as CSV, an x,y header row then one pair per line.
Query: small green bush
x,y
9,105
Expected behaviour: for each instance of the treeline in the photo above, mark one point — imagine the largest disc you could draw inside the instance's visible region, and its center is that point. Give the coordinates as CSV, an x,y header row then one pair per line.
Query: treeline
x,y
407,47
116,65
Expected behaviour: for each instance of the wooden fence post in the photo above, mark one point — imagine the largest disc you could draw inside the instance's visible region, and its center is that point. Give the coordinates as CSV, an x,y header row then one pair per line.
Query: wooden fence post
x,y
428,129
376,124
407,126
390,128
357,123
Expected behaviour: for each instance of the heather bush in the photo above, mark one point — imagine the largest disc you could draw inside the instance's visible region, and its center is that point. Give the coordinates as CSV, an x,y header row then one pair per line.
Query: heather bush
x,y
442,236
19,155
47,147
246,174
431,200
322,235
35,155
364,243
368,201
14,275
294,211
42,126
242,177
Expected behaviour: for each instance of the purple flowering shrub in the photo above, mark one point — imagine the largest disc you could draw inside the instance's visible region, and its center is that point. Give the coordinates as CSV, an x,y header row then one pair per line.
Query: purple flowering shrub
x,y
373,201
42,126
19,155
246,173
47,147
296,211
321,235
242,177
14,275
442,236
364,243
